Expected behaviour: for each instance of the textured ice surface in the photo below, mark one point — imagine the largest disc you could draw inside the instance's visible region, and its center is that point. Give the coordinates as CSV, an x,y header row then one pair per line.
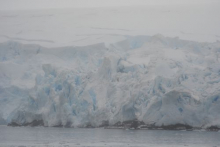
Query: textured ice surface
x,y
63,137
158,80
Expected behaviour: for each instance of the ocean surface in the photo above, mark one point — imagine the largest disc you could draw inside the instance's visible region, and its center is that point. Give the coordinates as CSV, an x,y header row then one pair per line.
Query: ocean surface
x,y
71,137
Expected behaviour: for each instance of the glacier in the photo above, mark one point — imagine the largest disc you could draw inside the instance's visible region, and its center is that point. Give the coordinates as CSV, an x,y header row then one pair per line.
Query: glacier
x,y
157,80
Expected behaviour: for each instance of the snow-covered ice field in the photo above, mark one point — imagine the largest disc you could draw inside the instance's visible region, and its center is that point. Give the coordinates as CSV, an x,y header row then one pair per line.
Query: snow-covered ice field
x,y
83,26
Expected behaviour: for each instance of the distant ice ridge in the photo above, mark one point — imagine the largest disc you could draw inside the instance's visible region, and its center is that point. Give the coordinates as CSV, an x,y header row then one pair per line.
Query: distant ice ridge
x,y
157,80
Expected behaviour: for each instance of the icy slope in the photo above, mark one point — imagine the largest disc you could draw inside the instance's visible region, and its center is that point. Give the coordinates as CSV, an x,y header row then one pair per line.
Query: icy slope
x,y
86,26
157,80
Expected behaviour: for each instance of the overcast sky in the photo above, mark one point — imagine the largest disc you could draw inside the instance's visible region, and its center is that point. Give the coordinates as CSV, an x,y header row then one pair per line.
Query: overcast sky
x,y
38,4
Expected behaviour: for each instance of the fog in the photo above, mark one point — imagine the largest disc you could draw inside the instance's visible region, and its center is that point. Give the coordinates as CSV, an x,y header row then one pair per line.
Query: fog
x,y
44,4
115,64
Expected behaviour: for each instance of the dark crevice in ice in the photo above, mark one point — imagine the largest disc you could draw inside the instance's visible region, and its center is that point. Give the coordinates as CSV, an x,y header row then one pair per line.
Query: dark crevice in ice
x,y
32,124
130,124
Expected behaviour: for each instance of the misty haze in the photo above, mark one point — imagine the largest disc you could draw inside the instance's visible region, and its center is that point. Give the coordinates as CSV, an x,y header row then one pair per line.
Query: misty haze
x,y
119,73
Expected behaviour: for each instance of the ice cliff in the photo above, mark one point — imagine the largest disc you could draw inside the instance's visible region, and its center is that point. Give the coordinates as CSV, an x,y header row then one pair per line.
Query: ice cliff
x,y
154,79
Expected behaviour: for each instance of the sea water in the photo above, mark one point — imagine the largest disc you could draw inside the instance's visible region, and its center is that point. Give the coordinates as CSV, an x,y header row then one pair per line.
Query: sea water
x,y
100,137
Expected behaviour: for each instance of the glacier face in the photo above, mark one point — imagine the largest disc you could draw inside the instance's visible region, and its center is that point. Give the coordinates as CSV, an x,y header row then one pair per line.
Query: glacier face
x,y
155,79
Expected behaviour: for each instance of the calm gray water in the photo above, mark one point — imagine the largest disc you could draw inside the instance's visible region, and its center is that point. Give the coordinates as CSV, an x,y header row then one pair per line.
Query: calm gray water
x,y
68,137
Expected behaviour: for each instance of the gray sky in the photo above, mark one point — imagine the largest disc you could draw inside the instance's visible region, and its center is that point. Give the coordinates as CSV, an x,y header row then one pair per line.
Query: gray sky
x,y
38,4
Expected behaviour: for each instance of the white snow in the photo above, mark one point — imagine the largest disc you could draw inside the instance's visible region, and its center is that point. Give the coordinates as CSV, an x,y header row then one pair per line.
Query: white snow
x,y
85,26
